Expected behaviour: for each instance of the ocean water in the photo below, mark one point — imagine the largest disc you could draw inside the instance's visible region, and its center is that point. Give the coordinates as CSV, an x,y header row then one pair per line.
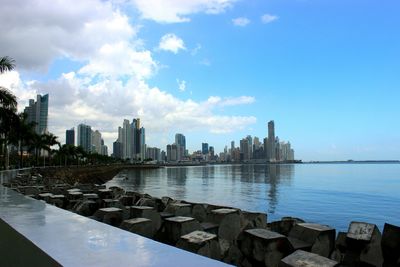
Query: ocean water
x,y
331,194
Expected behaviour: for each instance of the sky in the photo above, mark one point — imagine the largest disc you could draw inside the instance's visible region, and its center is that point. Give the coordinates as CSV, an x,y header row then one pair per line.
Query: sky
x,y
327,72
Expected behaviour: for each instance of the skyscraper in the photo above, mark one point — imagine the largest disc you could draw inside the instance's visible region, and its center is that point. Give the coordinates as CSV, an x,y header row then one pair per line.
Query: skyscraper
x,y
204,148
126,140
142,143
271,141
37,112
96,142
85,137
180,142
70,137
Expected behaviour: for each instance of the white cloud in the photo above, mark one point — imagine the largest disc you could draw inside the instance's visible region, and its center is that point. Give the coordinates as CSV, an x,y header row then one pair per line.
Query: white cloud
x,y
241,21
195,50
181,85
109,83
230,101
172,43
205,62
173,11
268,18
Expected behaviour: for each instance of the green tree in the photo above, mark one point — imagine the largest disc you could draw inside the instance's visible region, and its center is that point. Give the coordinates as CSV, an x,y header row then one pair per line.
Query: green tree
x,y
8,109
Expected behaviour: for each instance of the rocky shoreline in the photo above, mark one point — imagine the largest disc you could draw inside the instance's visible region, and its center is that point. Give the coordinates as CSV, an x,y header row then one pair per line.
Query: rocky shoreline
x,y
223,233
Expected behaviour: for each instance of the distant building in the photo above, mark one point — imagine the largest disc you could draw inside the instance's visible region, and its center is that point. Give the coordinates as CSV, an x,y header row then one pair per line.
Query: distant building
x,y
85,137
153,153
70,137
172,153
244,149
180,142
204,148
96,142
37,112
117,150
271,141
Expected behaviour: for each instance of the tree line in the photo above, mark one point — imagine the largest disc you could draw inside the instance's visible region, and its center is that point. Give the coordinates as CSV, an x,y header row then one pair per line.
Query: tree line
x,y
22,146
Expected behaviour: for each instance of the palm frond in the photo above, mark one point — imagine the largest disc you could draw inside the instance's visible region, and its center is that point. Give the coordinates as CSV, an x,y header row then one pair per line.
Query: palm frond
x,y
6,64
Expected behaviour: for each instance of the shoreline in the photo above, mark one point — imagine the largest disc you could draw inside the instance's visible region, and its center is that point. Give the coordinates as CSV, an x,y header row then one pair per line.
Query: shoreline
x,y
223,233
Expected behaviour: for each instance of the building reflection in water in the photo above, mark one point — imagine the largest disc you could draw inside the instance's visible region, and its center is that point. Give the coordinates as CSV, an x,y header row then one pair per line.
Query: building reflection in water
x,y
241,185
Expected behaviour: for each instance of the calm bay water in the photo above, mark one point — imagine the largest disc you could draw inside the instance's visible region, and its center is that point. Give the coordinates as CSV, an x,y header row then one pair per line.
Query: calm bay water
x,y
332,194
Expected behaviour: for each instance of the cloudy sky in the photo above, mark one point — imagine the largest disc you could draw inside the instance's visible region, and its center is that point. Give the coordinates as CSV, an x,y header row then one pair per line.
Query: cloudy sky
x,y
327,72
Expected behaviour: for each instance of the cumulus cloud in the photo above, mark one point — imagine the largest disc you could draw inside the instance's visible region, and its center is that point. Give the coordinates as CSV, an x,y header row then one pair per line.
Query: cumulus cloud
x,y
173,11
34,33
241,21
181,85
110,83
268,18
172,43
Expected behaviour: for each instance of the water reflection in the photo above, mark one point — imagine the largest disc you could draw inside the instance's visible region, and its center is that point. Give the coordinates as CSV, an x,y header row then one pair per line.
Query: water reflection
x,y
236,185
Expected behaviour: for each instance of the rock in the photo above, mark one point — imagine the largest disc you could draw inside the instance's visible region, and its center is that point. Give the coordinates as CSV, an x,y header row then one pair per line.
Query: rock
x,y
321,238
126,200
58,201
166,201
364,239
147,212
175,227
284,225
112,216
391,244
74,195
179,209
144,201
265,247
86,207
200,242
105,193
210,227
45,196
254,220
166,215
91,196
117,191
339,252
301,258
229,226
199,212
140,226
234,256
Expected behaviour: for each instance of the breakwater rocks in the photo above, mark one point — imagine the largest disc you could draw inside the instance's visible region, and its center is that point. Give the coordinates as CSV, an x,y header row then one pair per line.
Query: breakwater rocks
x,y
227,234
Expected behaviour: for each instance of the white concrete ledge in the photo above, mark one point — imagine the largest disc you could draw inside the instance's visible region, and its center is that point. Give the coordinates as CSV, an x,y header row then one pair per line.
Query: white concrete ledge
x,y
31,229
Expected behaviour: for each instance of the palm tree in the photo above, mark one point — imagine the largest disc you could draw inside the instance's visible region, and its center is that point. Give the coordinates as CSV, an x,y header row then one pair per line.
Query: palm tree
x,y
49,140
22,135
8,108
6,64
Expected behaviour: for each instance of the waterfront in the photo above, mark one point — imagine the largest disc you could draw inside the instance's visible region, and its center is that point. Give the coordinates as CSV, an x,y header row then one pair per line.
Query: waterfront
x,y
332,194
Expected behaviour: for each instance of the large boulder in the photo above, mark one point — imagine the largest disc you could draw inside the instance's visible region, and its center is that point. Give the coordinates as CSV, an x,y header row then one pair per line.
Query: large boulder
x,y
320,238
265,248
200,242
177,226
301,258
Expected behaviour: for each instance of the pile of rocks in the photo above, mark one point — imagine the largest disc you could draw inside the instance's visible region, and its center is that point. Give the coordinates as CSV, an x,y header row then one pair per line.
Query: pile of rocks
x,y
227,234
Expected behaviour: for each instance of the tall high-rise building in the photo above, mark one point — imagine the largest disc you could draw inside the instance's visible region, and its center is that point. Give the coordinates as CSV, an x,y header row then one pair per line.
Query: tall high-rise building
x,y
204,148
250,148
96,142
244,149
142,138
117,150
37,112
126,140
70,137
180,142
85,137
271,141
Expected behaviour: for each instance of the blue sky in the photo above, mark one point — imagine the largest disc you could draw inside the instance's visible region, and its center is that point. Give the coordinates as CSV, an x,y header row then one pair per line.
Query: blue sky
x,y
327,72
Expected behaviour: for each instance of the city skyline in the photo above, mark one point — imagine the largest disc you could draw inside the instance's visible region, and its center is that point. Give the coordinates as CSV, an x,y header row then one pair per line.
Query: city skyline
x,y
326,71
